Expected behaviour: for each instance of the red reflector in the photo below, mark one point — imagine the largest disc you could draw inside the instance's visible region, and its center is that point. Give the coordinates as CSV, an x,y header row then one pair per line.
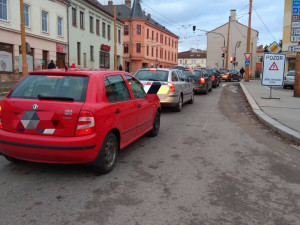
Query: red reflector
x,y
171,86
152,69
202,80
284,79
85,124
191,70
213,78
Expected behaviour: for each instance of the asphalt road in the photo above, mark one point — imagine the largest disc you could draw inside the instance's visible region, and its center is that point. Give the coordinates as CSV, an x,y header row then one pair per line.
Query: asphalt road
x,y
213,163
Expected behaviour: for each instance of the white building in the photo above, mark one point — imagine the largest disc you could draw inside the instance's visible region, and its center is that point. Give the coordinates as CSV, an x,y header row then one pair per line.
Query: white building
x,y
237,34
192,59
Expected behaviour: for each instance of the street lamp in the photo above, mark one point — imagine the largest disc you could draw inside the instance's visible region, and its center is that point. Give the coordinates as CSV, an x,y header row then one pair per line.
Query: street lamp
x,y
237,45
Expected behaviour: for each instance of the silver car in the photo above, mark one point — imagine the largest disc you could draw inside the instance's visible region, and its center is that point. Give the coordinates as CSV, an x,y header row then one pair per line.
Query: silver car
x,y
176,89
289,80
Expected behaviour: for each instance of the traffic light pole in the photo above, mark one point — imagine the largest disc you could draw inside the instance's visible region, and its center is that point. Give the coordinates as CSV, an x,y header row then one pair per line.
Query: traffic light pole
x,y
23,41
246,79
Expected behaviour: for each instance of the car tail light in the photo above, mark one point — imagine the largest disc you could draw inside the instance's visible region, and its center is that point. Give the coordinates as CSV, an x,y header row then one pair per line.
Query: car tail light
x,y
284,78
85,124
0,117
213,78
152,69
171,86
191,70
227,73
202,80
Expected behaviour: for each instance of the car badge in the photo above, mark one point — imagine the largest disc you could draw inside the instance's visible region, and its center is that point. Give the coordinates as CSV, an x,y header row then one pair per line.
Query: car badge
x,y
34,107
68,112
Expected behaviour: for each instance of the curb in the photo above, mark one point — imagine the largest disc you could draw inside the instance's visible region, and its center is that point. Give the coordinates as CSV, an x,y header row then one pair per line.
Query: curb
x,y
270,122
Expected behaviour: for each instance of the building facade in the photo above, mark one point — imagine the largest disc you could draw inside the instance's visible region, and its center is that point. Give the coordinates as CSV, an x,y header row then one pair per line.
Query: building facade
x,y
91,35
146,43
217,39
46,33
194,58
286,39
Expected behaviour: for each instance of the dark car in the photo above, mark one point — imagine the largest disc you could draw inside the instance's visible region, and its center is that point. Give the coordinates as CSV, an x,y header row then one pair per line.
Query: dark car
x,y
75,116
215,77
179,67
202,81
230,75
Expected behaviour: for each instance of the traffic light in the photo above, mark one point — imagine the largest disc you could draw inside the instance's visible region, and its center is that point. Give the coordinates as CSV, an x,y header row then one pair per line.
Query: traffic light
x,y
223,55
194,29
234,58
231,59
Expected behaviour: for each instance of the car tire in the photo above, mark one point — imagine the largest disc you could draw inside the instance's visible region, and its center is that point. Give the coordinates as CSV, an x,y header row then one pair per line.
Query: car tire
x,y
230,79
108,154
284,86
156,125
191,101
206,90
11,159
215,85
178,107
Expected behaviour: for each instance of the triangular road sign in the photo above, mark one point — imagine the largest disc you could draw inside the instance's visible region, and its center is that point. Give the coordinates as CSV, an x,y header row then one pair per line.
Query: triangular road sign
x,y
224,49
247,55
273,66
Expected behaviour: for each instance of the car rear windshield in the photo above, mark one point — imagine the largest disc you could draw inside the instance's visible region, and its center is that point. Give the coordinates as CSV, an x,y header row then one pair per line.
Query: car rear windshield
x,y
194,73
223,71
291,74
152,75
51,87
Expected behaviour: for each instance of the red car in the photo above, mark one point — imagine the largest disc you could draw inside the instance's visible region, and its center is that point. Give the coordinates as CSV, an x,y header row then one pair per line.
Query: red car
x,y
76,116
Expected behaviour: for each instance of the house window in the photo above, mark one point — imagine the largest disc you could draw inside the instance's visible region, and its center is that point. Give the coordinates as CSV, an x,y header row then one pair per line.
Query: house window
x,y
81,20
138,47
104,60
103,30
125,48
78,53
97,27
108,32
3,10
156,37
26,15
147,50
138,29
44,21
152,35
74,17
119,36
126,31
92,52
59,26
156,52
180,61
91,24
147,33
152,52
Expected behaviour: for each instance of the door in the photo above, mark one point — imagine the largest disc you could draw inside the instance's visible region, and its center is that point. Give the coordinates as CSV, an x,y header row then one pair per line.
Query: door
x,y
45,60
145,109
60,60
84,60
121,106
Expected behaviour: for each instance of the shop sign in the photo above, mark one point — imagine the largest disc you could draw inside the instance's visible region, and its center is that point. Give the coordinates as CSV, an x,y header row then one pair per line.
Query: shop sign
x,y
105,47
61,48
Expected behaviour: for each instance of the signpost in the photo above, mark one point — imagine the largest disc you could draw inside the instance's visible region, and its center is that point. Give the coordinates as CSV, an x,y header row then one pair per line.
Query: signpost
x,y
224,49
273,71
247,58
295,37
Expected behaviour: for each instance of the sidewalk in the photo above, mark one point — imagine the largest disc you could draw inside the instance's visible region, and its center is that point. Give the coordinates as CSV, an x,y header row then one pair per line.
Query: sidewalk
x,y
281,115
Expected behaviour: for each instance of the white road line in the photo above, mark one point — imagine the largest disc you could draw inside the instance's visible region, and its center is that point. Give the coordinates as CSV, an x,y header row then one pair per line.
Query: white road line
x,y
297,147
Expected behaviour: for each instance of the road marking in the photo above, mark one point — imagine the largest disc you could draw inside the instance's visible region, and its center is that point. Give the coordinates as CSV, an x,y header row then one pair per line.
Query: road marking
x,y
297,147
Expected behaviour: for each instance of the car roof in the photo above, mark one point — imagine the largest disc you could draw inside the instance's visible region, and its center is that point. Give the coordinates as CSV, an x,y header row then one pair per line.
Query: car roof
x,y
76,72
163,69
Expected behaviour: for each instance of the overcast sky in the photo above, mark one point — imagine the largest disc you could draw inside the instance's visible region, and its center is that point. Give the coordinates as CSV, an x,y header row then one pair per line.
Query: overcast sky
x,y
180,15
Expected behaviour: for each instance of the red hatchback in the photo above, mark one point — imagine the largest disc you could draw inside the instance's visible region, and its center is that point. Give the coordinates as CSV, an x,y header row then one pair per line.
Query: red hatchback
x,y
75,116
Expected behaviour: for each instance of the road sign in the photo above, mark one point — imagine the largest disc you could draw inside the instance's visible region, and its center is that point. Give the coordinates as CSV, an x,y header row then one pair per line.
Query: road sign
x,y
295,38
295,25
294,48
295,17
295,31
273,69
247,62
274,47
247,55
296,7
224,49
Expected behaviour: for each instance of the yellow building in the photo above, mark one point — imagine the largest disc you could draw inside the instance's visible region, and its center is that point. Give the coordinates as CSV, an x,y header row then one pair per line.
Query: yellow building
x,y
286,39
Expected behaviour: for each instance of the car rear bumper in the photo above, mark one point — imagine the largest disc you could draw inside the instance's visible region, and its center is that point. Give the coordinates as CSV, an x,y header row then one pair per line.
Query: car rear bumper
x,y
289,83
49,149
168,100
199,88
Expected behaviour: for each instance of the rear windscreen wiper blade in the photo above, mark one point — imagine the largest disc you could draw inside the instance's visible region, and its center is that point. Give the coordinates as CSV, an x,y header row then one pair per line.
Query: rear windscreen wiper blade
x,y
55,98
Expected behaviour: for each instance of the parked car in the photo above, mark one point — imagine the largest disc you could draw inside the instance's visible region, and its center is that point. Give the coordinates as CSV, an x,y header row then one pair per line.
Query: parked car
x,y
201,80
75,116
179,67
289,80
178,89
214,77
230,75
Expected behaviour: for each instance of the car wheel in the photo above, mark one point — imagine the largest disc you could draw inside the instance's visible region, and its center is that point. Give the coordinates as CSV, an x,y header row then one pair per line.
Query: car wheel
x,y
156,125
191,101
107,156
218,83
178,107
284,86
230,79
206,90
11,159
214,85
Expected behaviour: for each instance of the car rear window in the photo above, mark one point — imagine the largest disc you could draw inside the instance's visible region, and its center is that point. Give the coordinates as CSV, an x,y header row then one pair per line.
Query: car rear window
x,y
223,71
194,73
291,74
51,87
152,75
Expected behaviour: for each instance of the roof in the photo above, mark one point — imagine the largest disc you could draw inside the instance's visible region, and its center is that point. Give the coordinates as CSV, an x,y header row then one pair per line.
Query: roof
x,y
136,11
192,55
227,23
125,12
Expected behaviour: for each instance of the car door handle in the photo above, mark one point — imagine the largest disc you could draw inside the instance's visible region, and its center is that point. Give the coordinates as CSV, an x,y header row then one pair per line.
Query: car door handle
x,y
117,111
139,106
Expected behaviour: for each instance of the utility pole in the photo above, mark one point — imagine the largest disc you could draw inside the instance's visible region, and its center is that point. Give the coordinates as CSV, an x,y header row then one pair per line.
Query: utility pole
x,y
246,79
297,76
115,38
23,41
227,51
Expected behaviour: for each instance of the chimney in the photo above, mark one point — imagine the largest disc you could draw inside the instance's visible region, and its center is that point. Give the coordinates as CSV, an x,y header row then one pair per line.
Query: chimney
x,y
128,3
110,2
148,16
233,15
144,12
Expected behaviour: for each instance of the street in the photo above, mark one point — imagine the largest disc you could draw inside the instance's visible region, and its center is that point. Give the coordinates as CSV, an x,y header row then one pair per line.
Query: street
x,y
213,163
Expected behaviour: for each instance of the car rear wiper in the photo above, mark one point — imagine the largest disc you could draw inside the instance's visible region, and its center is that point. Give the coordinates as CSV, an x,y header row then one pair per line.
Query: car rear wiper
x,y
55,98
